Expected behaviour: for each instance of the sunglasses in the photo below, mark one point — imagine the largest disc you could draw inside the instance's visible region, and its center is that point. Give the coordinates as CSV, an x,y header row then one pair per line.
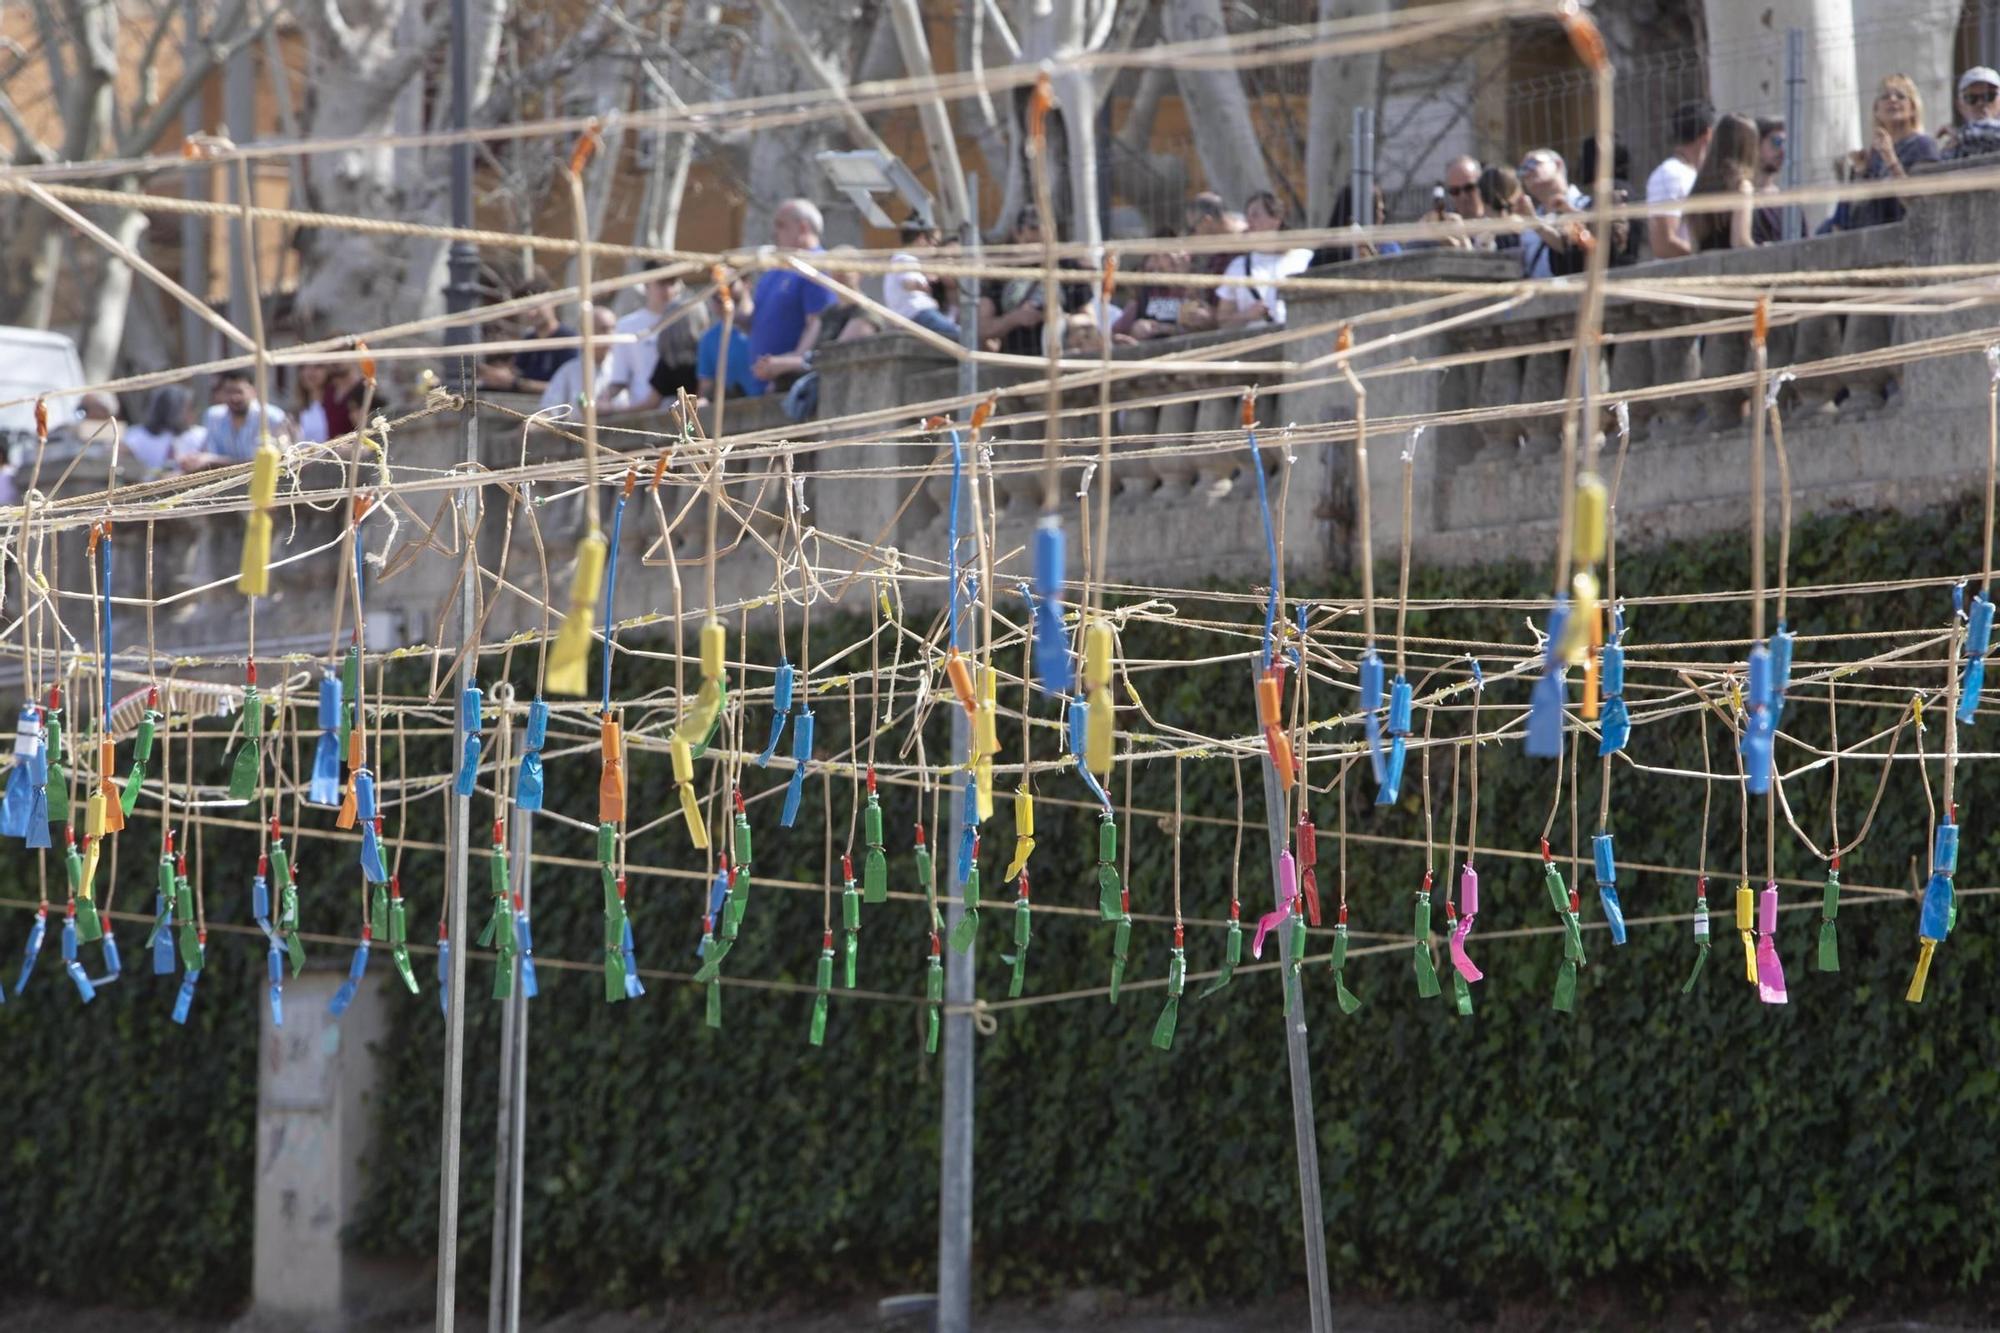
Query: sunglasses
x,y
1977,98
1473,188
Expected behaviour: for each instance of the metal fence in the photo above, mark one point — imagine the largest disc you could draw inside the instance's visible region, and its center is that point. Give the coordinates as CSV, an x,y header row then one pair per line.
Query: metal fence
x,y
1554,110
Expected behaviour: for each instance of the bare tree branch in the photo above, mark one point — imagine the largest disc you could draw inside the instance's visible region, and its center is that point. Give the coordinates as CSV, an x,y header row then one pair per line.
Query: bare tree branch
x,y
141,137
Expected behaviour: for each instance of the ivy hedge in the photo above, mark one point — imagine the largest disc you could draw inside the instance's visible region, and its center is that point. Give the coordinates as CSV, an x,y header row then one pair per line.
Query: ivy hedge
x,y
1808,1156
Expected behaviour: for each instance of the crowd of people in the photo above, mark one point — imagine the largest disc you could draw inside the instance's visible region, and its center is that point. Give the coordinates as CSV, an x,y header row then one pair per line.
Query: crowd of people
x,y
674,344
173,434
671,346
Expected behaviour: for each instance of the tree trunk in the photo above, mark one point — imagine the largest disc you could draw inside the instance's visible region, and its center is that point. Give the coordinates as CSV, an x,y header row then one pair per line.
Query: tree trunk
x,y
1746,68
104,316
1154,183
1339,84
1225,137
948,176
780,163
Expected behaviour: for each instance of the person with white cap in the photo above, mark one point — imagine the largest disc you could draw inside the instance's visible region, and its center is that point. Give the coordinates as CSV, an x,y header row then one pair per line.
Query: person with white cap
x,y
1979,104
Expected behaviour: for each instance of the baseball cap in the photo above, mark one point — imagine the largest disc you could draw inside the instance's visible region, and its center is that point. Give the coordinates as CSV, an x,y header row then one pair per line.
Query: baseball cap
x,y
1978,74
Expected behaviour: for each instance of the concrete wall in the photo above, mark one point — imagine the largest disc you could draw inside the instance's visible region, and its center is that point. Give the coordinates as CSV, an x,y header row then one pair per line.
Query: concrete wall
x,y
315,1122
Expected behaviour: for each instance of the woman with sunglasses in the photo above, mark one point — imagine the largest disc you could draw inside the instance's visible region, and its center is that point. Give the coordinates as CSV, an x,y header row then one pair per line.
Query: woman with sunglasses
x,y
1897,146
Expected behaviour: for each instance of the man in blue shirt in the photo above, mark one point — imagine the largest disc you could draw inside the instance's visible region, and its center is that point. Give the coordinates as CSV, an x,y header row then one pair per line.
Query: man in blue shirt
x,y
743,382
235,426
788,304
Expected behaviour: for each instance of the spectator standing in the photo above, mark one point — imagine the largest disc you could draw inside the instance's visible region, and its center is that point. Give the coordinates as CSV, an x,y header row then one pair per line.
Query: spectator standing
x,y
1979,105
1767,224
1673,179
1897,144
789,304
1554,246
342,380
312,427
1207,216
743,382
565,385
234,427
1501,196
1155,310
906,291
1343,218
94,412
1462,199
537,367
841,322
632,362
1012,312
1256,296
1729,169
1624,236
168,433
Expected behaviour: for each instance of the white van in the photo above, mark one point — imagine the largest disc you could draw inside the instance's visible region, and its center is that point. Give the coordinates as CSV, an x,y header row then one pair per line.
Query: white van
x,y
35,363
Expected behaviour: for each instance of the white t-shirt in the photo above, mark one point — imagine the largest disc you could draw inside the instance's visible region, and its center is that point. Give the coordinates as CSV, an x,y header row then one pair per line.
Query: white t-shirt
x,y
900,294
157,451
312,423
1263,269
566,385
1671,181
631,364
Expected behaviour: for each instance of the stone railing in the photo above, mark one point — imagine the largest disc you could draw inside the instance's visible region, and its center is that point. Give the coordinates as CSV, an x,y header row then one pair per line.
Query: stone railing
x,y
1486,476
1881,433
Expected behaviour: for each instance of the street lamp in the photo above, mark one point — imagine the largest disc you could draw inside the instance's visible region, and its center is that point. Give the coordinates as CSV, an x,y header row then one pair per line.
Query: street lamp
x,y
866,172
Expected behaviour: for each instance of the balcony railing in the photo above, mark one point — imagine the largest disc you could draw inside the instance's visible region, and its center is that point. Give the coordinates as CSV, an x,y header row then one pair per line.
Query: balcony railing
x,y
1490,374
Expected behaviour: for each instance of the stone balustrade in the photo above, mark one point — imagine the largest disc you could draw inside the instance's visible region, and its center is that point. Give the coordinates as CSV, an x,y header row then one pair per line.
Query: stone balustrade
x,y
1491,372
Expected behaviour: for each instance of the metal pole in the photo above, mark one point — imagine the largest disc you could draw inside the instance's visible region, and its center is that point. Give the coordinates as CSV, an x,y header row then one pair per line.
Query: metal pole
x,y
501,1313
954,1309
196,338
954,1290
1361,181
458,299
1795,100
503,1194
517,1148
1304,1133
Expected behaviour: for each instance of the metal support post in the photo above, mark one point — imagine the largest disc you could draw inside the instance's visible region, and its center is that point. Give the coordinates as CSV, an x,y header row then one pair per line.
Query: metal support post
x,y
954,1310
503,1302
458,299
954,1290
1795,101
1304,1132
1361,180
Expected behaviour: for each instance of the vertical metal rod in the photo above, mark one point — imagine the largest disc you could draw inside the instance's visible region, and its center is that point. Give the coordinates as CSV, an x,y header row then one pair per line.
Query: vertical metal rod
x,y
196,338
503,1134
458,927
458,299
1361,180
513,1037
239,116
1304,1132
954,1309
1795,101
954,1291
517,1147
